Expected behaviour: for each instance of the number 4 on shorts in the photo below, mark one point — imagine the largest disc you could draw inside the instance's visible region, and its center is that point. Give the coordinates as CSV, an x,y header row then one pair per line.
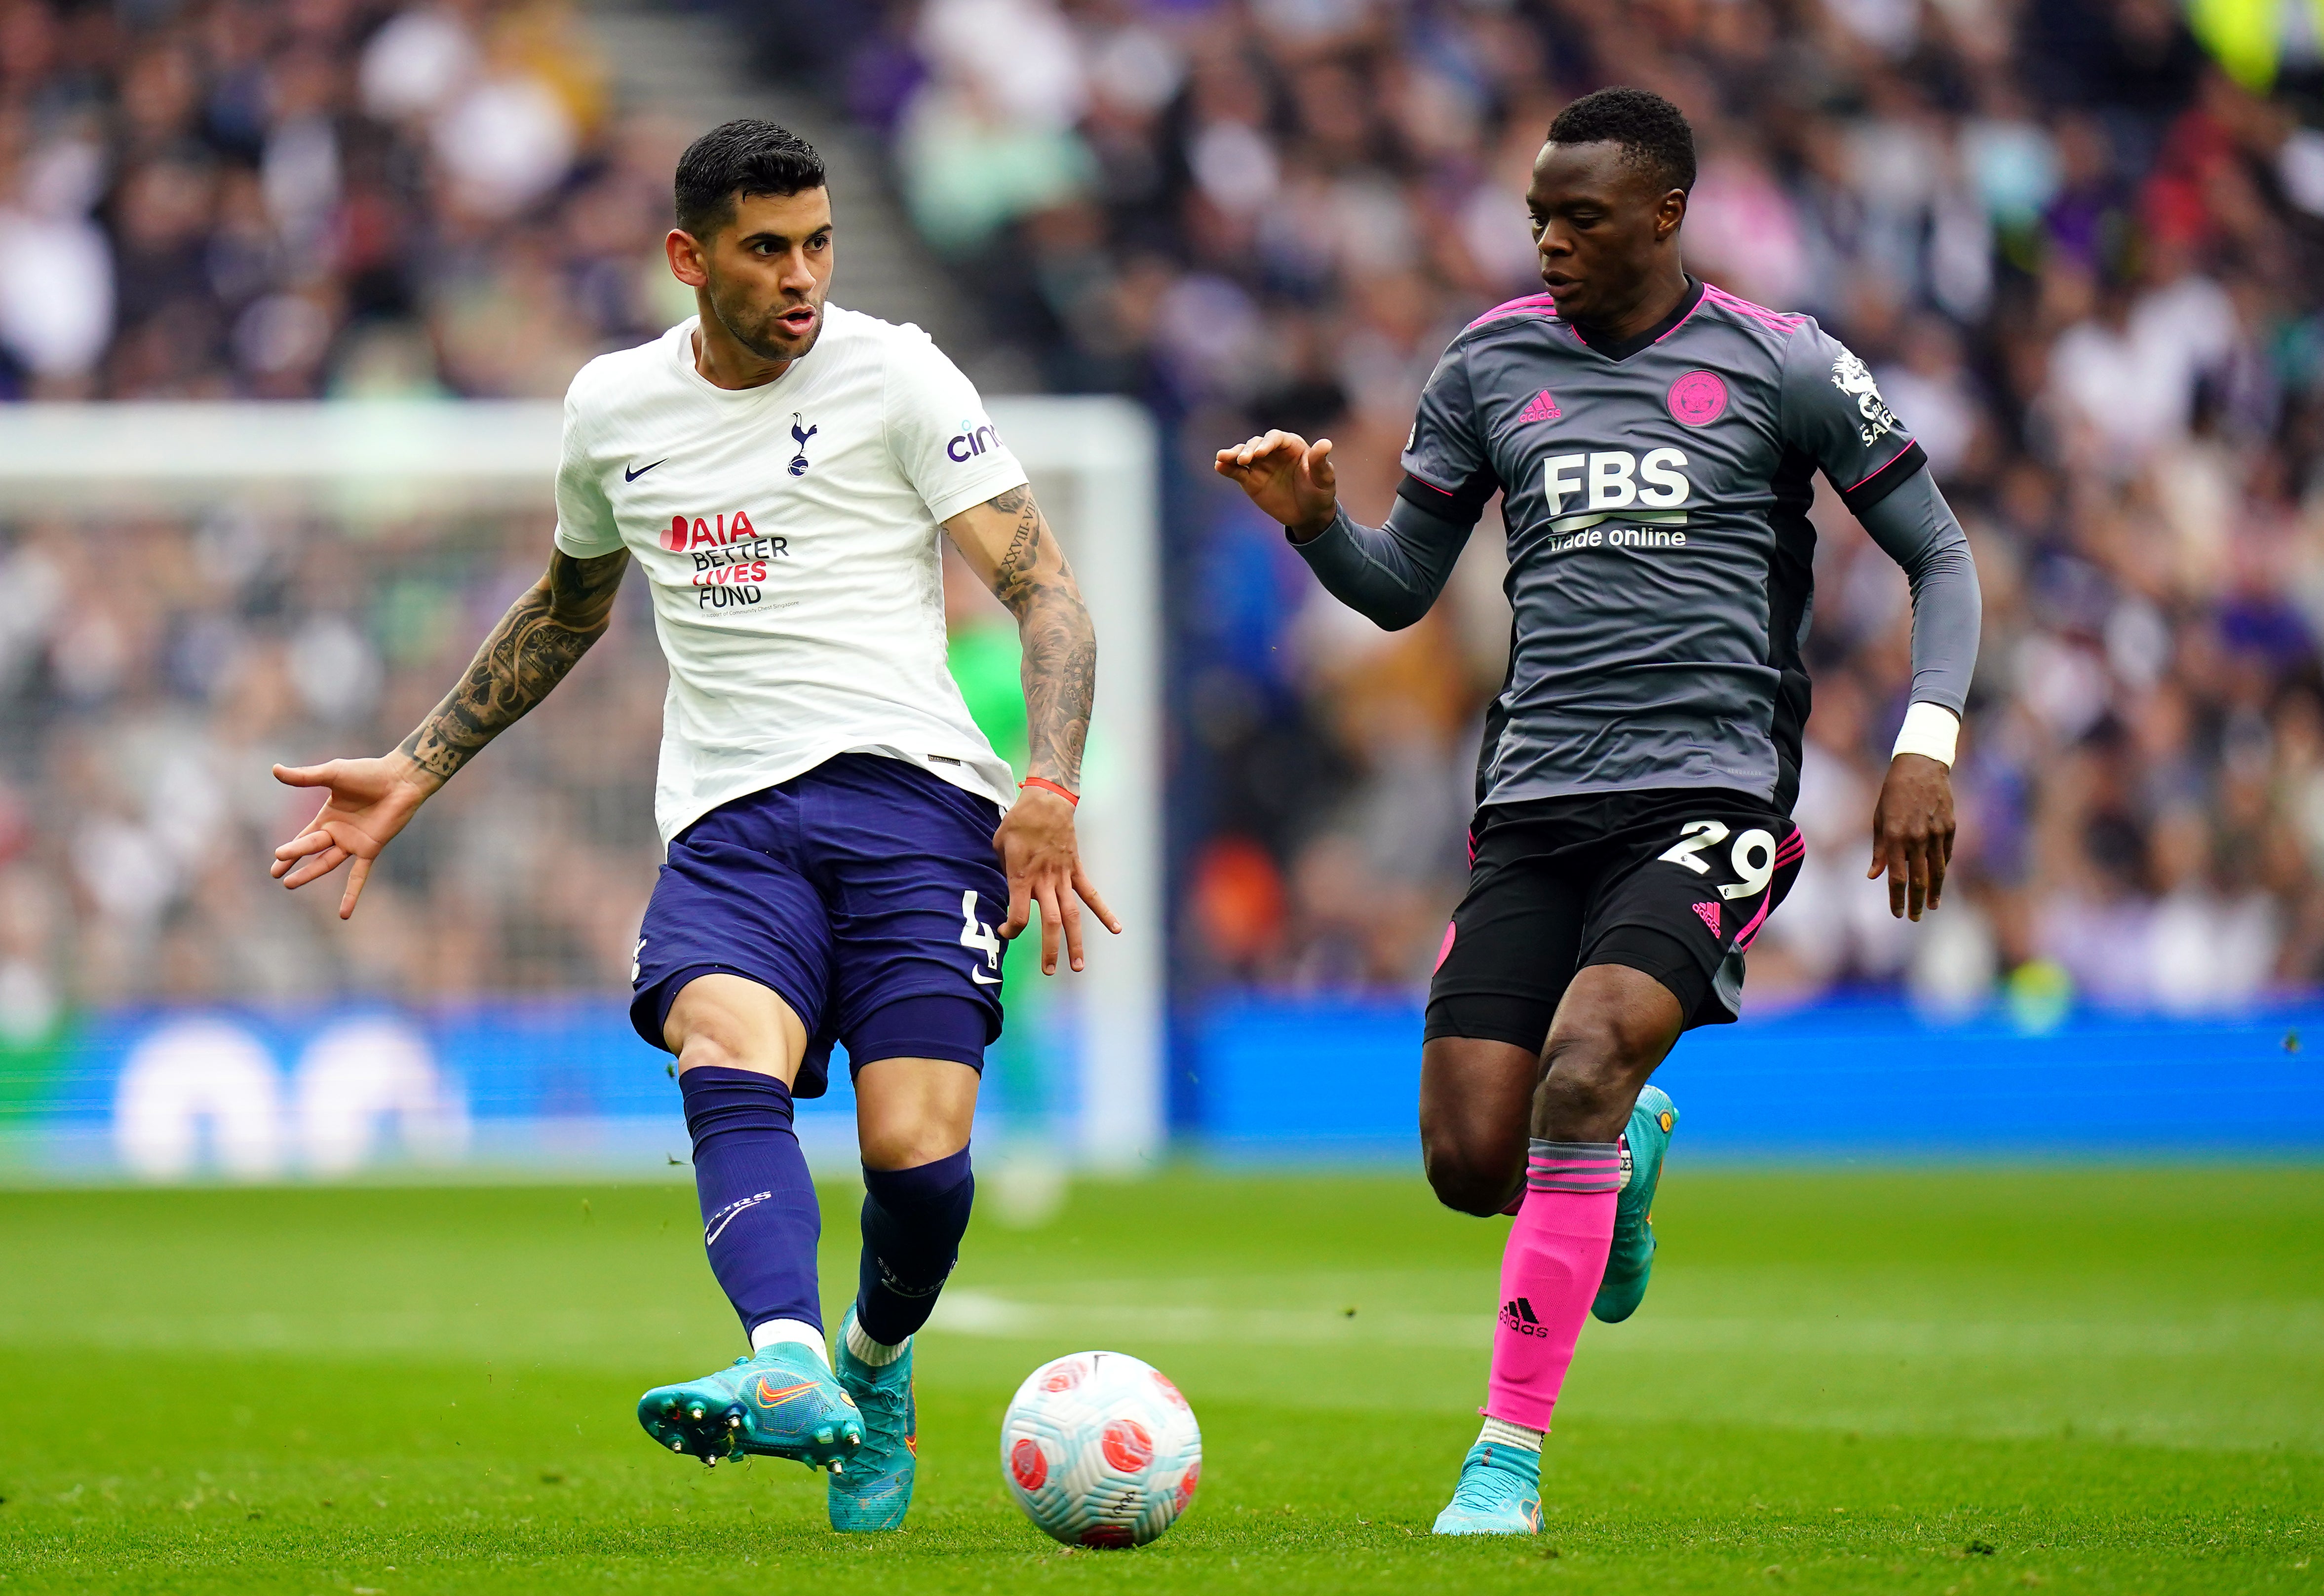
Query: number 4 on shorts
x,y
975,934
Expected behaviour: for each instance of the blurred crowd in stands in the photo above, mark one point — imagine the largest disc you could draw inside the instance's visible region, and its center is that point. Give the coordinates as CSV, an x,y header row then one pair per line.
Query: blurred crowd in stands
x,y
293,199
142,716
305,199
2079,245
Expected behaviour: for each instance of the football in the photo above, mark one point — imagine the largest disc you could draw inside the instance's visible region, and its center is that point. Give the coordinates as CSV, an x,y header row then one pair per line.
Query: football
x,y
1101,1449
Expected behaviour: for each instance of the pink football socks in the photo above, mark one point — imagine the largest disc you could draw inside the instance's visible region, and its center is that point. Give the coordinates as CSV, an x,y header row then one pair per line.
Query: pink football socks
x,y
1551,1268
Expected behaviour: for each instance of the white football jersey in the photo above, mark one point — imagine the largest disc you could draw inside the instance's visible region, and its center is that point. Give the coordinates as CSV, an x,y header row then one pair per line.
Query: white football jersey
x,y
791,533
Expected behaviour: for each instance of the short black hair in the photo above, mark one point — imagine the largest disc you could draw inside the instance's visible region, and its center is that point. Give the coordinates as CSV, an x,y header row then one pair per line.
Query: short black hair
x,y
736,160
1652,133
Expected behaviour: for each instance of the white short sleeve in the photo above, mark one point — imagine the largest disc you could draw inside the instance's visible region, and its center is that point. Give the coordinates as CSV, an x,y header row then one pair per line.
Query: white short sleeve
x,y
586,527
939,432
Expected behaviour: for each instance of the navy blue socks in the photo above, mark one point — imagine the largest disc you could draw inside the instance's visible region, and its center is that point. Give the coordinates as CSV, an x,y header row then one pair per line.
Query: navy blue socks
x,y
913,1221
759,1222
759,1215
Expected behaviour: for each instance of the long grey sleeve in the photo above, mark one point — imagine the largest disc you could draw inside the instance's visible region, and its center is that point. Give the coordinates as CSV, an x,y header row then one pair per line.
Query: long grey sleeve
x,y
1390,574
1915,528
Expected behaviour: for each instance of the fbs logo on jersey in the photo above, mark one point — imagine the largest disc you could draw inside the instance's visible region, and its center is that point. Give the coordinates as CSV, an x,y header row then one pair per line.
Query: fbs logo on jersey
x,y
1852,377
1616,479
971,441
798,461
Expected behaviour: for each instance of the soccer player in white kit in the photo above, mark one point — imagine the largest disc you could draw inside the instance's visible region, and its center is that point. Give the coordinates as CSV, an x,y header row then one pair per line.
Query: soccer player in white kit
x,y
846,855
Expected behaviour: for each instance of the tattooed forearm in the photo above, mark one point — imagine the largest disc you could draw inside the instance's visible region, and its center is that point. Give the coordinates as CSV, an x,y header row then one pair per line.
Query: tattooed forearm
x,y
542,638
1060,649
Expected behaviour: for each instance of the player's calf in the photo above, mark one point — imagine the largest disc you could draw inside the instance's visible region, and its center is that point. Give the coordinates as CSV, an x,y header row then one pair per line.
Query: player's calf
x,y
913,1221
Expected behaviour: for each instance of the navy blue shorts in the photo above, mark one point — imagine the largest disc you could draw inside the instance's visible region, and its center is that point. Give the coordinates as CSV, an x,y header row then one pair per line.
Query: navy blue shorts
x,y
864,892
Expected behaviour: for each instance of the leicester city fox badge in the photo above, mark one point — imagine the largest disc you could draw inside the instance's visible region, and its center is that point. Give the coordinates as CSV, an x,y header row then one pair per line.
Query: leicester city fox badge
x,y
1851,376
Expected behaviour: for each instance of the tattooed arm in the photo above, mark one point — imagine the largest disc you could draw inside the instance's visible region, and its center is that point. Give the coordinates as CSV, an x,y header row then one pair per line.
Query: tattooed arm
x,y
542,638
368,801
1008,542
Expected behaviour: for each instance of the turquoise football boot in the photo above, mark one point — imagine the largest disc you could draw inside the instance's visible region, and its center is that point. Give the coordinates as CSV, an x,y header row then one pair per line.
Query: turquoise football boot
x,y
1632,1261
1500,1493
782,1403
876,1491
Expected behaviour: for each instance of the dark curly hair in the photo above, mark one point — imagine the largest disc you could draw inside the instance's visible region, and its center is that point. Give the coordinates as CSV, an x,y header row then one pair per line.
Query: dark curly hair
x,y
735,161
1652,133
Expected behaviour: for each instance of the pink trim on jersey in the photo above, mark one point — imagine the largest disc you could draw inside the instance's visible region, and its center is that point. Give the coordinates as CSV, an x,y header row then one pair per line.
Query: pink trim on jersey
x,y
1781,321
1431,488
1682,320
1517,307
1884,466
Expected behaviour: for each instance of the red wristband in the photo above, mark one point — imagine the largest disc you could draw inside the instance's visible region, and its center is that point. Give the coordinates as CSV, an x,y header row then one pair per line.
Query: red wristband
x,y
1043,781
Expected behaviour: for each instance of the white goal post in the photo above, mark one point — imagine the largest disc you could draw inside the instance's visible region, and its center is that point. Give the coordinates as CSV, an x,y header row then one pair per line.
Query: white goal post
x,y
1094,465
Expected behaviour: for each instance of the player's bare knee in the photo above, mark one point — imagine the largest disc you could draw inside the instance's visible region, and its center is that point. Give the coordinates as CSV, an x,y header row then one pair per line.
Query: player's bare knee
x,y
1469,1178
714,1036
1469,1191
910,1111
909,1146
710,1046
1594,1077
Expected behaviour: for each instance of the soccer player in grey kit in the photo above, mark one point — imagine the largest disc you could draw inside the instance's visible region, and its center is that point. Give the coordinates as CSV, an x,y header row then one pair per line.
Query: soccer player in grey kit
x,y
1654,441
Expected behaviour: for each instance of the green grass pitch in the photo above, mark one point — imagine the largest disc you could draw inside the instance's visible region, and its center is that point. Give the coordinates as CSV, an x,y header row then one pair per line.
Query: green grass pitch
x,y
1945,1382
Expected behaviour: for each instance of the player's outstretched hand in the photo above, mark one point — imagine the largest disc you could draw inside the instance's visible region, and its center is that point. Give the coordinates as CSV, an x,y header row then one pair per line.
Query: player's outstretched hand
x,y
1913,833
1286,476
1042,862
365,804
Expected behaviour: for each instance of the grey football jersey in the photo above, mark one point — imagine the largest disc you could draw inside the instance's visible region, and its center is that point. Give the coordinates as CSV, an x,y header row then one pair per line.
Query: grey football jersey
x,y
1661,560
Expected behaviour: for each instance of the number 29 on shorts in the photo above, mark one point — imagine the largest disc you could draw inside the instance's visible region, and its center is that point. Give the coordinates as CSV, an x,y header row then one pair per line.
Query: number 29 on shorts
x,y
1752,857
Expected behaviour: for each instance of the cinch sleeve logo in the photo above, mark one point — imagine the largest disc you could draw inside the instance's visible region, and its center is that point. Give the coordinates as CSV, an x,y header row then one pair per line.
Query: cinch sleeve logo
x,y
971,441
1852,377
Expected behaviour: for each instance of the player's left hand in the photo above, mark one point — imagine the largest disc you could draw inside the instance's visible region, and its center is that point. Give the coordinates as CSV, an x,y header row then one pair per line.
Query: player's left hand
x,y
1913,833
1042,862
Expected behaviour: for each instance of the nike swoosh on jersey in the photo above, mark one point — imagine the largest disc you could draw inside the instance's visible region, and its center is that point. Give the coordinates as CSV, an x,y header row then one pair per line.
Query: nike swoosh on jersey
x,y
630,475
981,979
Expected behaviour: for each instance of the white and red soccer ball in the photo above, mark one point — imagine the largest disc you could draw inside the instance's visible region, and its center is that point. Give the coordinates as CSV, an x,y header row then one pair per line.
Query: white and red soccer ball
x,y
1101,1449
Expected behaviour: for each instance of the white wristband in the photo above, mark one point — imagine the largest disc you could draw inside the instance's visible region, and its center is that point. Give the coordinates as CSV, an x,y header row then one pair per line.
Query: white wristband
x,y
1930,729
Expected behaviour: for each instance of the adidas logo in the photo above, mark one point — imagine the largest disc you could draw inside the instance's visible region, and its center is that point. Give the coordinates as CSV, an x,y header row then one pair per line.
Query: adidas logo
x,y
1708,913
1516,1315
1543,408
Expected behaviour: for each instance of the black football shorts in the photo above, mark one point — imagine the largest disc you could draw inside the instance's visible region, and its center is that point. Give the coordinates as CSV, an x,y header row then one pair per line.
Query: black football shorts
x,y
1675,882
